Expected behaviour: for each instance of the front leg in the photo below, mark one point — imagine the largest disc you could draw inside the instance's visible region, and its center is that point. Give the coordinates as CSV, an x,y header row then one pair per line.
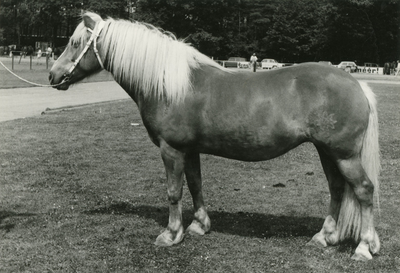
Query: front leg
x,y
174,167
201,222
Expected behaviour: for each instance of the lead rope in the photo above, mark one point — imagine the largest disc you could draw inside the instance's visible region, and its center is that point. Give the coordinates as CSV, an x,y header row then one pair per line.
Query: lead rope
x,y
36,84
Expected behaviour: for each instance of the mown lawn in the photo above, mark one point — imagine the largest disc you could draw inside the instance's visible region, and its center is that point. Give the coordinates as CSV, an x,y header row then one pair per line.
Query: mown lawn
x,y
84,190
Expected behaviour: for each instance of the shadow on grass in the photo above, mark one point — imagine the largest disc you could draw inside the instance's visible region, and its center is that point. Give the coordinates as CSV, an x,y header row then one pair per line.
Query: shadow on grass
x,y
240,223
9,214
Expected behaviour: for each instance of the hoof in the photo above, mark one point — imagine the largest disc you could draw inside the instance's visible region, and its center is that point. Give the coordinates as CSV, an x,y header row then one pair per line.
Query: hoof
x,y
195,228
317,241
362,253
361,257
163,240
166,238
327,236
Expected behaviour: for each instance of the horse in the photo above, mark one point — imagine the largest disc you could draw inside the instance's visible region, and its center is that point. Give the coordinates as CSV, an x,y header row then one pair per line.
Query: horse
x,y
190,105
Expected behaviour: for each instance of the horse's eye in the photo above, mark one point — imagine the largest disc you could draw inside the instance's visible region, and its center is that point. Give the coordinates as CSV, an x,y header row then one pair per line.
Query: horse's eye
x,y
75,44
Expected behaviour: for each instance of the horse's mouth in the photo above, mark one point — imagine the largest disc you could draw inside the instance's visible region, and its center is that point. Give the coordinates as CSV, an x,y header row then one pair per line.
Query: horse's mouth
x,y
62,85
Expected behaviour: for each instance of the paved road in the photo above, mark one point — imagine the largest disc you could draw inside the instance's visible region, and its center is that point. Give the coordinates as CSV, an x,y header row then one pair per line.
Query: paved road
x,y
18,103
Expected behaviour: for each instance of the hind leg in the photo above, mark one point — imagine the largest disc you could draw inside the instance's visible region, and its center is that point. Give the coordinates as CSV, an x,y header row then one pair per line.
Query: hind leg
x,y
363,189
329,234
201,223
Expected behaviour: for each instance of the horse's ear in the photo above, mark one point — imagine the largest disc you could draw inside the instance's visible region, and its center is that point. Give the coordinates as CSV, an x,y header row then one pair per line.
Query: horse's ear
x,y
88,21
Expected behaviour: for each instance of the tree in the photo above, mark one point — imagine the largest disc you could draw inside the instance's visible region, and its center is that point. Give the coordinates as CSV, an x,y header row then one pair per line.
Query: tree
x,y
207,24
49,19
297,30
287,30
364,31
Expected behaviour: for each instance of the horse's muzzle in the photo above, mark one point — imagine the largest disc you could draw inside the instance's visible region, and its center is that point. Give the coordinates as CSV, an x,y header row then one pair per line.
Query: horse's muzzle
x,y
63,83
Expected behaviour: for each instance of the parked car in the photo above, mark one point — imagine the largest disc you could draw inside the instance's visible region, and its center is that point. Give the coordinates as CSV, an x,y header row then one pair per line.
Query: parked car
x,y
347,66
16,50
237,62
371,65
271,64
370,68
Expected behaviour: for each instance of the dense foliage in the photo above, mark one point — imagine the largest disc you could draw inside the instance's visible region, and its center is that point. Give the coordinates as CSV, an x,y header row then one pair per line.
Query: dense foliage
x,y
287,30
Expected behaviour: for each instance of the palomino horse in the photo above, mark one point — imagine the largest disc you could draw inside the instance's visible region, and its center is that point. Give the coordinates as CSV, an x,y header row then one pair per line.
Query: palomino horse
x,y
191,105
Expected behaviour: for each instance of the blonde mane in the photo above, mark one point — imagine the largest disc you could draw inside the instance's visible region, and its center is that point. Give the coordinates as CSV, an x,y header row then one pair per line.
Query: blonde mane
x,y
142,57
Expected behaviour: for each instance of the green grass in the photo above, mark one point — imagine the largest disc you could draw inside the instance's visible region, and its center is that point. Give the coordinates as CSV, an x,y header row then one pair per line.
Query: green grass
x,y
84,191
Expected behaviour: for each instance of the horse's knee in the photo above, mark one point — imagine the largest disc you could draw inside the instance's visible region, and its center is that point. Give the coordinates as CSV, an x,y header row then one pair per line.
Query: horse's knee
x,y
174,195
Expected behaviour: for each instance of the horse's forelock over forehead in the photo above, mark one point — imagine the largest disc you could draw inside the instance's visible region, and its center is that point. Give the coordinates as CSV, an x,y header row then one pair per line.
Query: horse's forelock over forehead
x,y
80,34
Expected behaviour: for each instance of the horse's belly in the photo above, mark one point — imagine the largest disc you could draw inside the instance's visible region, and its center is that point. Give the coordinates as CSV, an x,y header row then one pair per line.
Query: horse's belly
x,y
250,146
248,154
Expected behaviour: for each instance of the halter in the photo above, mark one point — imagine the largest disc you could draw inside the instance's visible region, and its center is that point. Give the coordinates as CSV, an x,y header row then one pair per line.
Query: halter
x,y
93,38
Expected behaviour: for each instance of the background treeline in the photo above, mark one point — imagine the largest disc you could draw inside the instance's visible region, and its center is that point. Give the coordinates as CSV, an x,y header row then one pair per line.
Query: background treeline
x,y
287,30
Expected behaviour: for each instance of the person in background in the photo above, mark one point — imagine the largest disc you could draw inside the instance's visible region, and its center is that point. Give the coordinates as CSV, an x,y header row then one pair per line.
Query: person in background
x,y
39,55
253,62
49,51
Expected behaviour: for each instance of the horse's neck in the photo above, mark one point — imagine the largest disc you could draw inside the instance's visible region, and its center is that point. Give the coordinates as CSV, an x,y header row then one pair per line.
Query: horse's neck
x,y
132,92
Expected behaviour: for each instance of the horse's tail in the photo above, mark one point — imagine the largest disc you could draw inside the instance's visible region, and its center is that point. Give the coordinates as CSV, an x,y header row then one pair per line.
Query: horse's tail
x,y
349,222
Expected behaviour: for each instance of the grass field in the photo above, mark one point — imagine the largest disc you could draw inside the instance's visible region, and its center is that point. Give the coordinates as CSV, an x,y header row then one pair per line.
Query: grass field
x,y
83,190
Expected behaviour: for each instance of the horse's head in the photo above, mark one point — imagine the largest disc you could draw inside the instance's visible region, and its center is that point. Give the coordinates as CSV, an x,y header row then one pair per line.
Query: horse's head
x,y
80,58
